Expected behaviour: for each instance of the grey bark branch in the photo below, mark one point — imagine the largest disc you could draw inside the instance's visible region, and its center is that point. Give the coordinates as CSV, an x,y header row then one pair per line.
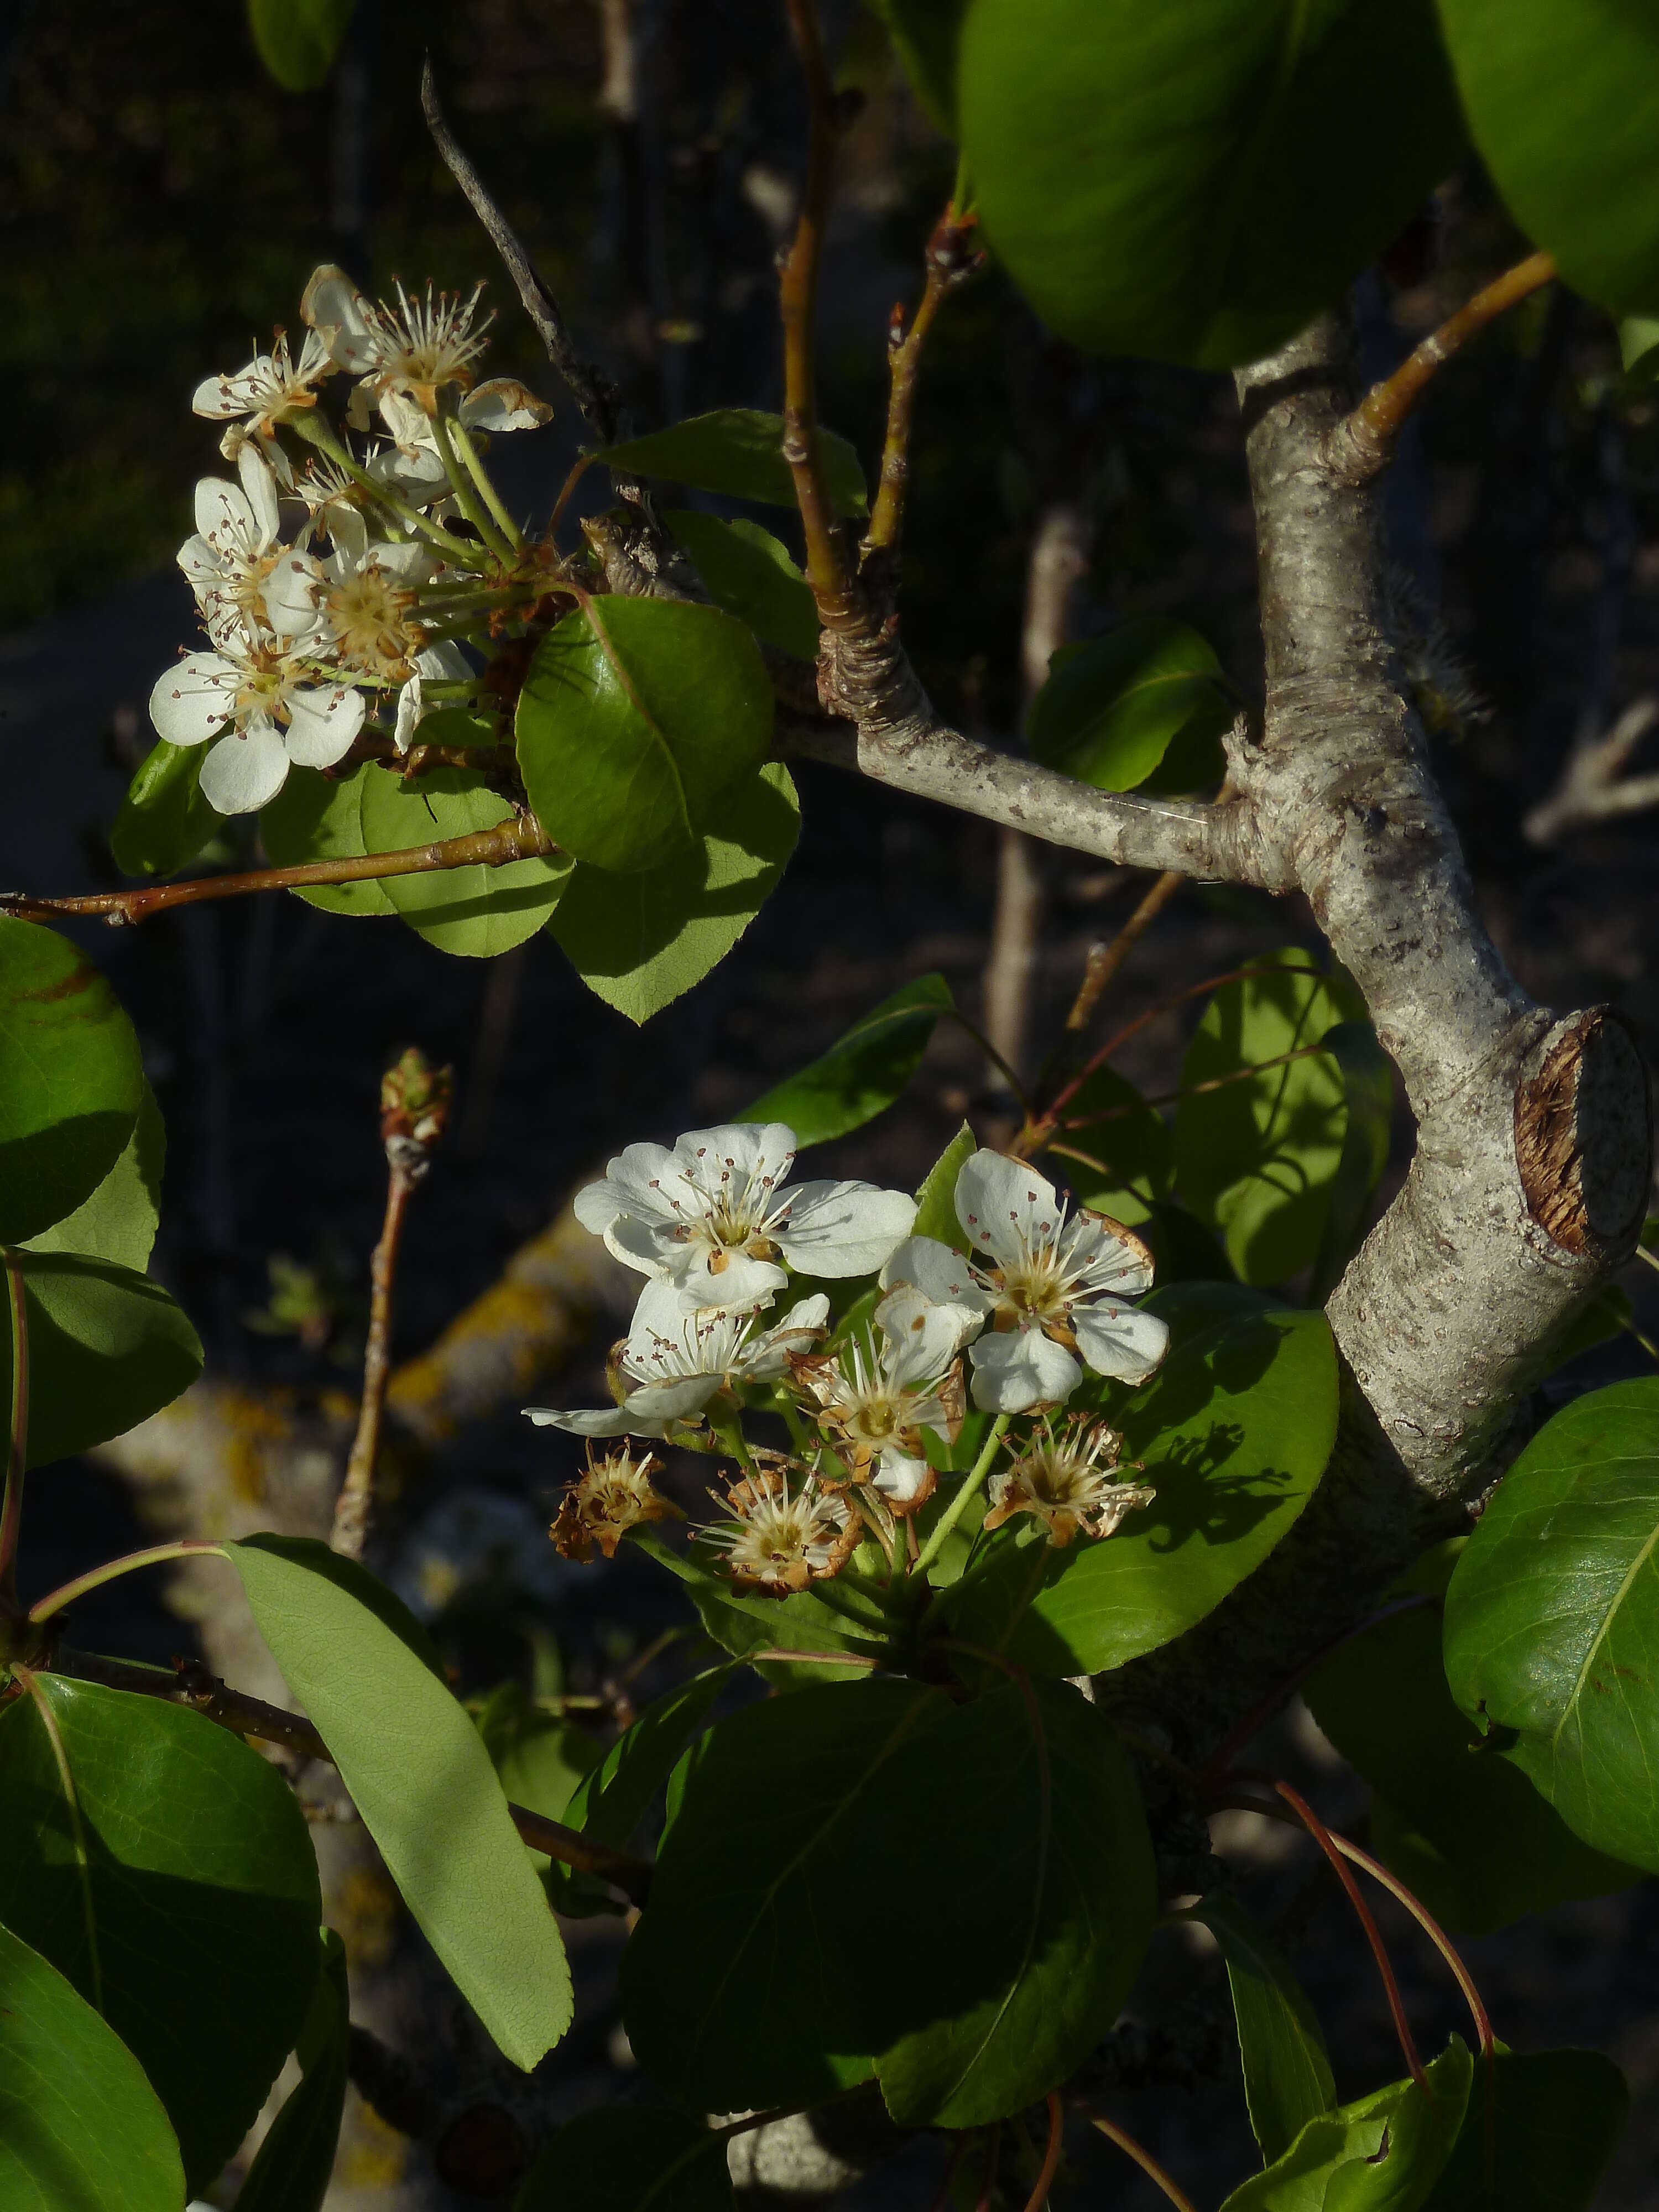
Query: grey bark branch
x,y
1594,785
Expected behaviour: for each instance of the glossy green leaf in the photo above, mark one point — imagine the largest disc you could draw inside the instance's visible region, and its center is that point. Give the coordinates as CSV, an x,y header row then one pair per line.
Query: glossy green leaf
x,y
420,1778
737,451
1368,1088
1464,1822
295,2164
641,941
1559,102
1552,1635
317,817
476,912
1193,182
936,1208
925,36
1025,1796
1234,1431
298,40
1116,1152
1382,2153
1638,347
749,573
71,1081
615,1796
1256,1154
1558,2120
636,715
163,821
107,1348
1287,2073
633,2158
119,1220
177,1892
81,2129
863,1072
1111,709
744,1623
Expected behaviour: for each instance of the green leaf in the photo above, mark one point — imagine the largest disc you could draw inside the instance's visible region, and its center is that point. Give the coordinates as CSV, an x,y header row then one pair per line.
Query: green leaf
x,y
1558,102
163,821
1116,1128
639,942
1558,2120
749,573
1638,347
298,40
1234,1430
81,2129
1382,2153
179,1893
633,2158
1110,709
926,35
935,1200
1026,1788
636,716
71,1079
119,1220
539,1759
744,1624
1184,1251
1552,1618
295,2164
1487,1846
737,451
1287,2074
863,1072
476,912
1256,1156
615,1796
1368,1088
419,1775
316,818
1193,182
107,1348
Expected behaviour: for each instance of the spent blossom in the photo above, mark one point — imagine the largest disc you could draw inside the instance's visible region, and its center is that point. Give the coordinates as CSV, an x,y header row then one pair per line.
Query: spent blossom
x,y
710,1217
780,1538
1064,1479
609,1496
874,1406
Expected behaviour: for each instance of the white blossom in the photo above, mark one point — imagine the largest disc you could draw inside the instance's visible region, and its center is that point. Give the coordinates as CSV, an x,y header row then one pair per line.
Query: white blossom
x,y
244,578
365,597
416,349
876,1405
673,1362
266,707
272,388
711,1217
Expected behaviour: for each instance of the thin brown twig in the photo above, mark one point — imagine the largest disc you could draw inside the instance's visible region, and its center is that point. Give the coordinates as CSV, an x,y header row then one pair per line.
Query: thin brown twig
x,y
798,298
1105,960
1152,1013
948,261
1360,444
1144,2159
988,2170
1437,1935
941,2196
520,838
1050,2168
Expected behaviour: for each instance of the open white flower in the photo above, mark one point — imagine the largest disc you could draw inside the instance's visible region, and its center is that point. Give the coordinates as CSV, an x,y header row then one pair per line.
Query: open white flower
x,y
1059,1290
272,388
672,1362
366,596
243,577
710,1216
1063,1479
417,349
876,1405
268,711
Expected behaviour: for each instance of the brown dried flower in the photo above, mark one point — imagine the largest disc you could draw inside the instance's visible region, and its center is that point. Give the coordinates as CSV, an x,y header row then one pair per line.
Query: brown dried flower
x,y
609,1496
1063,1478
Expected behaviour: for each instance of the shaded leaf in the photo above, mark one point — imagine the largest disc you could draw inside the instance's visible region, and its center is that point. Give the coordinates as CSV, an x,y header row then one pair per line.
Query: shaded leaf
x,y
1559,2115
936,1208
1287,2074
738,451
118,1221
107,1348
1120,1158
295,2164
298,40
1382,2153
925,36
1111,709
539,1758
639,941
81,2129
863,1072
163,821
749,573
419,1775
476,912
631,2158
191,1922
317,817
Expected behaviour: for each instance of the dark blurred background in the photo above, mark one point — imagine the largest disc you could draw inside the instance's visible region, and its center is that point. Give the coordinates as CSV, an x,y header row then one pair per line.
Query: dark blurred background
x,y
161,202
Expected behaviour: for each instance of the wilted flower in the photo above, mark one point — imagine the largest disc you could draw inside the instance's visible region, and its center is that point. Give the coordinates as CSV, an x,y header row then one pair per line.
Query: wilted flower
x,y
415,348
779,1539
269,390
709,1217
673,1362
609,1496
277,714
876,1405
1058,1293
1064,1477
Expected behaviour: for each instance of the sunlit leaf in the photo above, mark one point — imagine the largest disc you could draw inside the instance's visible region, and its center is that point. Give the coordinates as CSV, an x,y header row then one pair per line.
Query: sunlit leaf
x,y
749,573
1287,2074
317,817
1382,2153
863,1072
1112,708
738,451
476,911
118,1221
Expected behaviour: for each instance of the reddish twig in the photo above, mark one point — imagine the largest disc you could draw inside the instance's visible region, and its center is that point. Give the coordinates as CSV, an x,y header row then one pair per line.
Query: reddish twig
x,y
1144,2159
1114,1044
988,2170
1045,2180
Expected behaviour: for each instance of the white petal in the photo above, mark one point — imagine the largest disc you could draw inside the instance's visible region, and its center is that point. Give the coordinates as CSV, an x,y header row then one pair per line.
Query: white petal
x,y
245,769
357,414
444,662
335,308
740,1284
675,1400
222,514
737,1155
900,1476
1106,1257
201,564
1005,1205
503,404
632,1183
350,533
412,433
613,1421
322,724
290,594
923,1338
191,699
939,1274
1120,1340
220,397
260,490
839,1229
1019,1368
766,1355
411,708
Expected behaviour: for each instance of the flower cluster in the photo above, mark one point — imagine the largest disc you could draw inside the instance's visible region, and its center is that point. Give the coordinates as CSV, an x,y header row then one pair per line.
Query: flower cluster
x,y
1032,1296
356,612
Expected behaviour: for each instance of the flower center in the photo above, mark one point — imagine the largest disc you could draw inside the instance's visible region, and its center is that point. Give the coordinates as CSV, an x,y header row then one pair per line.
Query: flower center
x,y
366,613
